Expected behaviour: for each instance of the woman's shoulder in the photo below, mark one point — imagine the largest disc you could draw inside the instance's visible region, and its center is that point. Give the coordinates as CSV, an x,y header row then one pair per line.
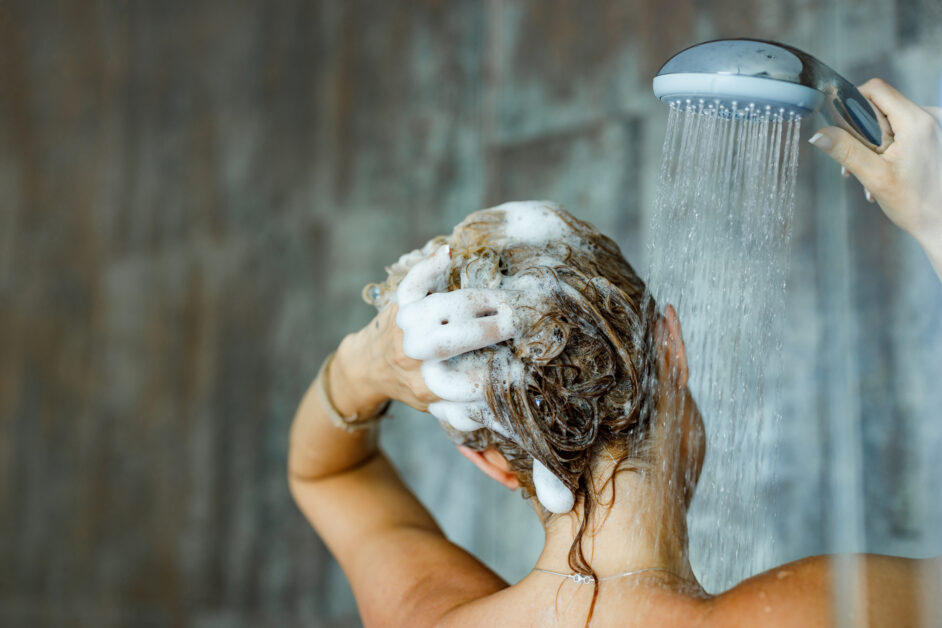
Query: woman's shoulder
x,y
793,594
802,593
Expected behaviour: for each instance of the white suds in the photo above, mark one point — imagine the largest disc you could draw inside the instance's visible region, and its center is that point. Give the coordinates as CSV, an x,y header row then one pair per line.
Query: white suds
x,y
468,417
443,325
458,415
426,276
444,329
461,378
552,493
533,222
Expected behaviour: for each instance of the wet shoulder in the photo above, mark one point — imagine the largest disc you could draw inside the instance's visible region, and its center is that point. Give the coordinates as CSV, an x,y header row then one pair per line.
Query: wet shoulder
x,y
795,594
802,594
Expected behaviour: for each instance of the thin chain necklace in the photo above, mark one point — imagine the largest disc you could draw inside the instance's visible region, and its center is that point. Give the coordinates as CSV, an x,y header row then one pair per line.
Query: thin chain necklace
x,y
579,578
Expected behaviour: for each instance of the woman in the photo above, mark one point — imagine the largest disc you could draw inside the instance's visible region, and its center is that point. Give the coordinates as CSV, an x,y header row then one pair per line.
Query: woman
x,y
538,350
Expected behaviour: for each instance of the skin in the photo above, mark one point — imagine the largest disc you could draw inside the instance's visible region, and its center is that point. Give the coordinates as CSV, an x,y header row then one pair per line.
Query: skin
x,y
405,572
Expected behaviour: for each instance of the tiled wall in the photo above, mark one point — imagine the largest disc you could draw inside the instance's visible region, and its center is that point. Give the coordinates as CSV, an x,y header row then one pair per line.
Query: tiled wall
x,y
192,195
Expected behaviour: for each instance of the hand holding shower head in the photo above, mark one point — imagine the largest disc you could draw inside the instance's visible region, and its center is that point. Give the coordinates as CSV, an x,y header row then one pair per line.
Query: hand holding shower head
x,y
735,73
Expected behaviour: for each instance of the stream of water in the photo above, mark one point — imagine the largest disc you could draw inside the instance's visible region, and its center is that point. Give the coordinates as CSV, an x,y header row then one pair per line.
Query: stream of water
x,y
719,250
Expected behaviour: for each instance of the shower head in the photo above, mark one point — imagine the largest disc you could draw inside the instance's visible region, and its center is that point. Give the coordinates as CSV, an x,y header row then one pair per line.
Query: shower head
x,y
734,74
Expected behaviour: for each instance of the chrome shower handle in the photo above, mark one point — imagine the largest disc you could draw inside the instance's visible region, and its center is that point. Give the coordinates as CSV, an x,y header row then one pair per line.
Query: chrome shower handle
x,y
845,107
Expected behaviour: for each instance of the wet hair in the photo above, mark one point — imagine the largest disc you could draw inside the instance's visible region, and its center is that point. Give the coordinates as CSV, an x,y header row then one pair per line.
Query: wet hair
x,y
587,352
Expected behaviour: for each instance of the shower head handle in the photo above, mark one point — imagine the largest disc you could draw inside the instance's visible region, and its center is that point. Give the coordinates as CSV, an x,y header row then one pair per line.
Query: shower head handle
x,y
845,107
776,74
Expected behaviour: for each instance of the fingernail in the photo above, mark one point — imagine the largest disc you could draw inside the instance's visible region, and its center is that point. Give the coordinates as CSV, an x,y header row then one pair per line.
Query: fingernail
x,y
844,172
821,141
868,195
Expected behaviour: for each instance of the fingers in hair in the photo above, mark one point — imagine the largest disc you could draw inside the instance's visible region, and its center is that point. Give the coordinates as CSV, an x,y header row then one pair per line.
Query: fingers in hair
x,y
461,378
443,325
426,276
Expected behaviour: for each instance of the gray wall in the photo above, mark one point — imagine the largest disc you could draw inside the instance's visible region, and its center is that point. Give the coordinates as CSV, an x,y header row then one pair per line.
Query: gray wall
x,y
193,194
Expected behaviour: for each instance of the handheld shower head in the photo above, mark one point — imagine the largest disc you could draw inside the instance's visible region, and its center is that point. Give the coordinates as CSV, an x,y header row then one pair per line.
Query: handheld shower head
x,y
736,73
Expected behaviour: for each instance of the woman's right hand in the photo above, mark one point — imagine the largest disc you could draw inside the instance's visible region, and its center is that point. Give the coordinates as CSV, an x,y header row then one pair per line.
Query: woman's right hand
x,y
906,180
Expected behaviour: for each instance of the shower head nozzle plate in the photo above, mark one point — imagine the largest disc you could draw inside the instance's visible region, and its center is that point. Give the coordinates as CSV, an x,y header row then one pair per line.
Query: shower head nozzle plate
x,y
738,93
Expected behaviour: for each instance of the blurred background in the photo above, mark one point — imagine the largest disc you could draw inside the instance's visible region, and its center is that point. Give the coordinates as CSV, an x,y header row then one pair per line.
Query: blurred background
x,y
192,195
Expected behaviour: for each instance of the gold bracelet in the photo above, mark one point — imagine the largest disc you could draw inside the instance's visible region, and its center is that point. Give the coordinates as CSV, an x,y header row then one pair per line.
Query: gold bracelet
x,y
348,424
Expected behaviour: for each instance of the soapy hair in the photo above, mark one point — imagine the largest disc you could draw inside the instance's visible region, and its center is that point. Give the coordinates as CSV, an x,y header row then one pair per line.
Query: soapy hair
x,y
588,386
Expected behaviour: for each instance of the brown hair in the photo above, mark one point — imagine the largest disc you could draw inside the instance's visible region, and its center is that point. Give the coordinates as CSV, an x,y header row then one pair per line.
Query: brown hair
x,y
589,370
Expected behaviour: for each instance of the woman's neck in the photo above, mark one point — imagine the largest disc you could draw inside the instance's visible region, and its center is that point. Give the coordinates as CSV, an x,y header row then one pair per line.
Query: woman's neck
x,y
644,528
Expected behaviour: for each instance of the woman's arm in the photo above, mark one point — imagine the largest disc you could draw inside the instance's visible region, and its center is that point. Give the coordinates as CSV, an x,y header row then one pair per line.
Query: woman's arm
x,y
402,568
906,180
367,370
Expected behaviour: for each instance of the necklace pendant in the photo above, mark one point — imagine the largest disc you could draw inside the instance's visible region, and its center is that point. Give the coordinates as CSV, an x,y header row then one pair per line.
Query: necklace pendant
x,y
579,578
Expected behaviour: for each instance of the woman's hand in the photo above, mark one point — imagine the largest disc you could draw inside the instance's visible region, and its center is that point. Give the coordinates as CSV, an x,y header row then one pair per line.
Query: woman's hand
x,y
404,353
371,366
906,180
